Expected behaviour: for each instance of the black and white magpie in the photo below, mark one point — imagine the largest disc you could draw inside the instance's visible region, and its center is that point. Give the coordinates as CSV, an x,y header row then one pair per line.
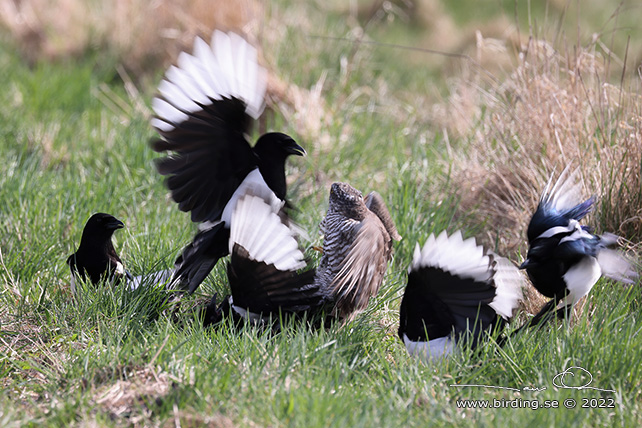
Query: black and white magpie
x,y
357,246
268,274
205,107
456,291
96,258
565,259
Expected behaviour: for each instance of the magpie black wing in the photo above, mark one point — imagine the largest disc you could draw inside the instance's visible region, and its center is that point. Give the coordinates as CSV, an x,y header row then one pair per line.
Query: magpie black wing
x,y
267,271
204,109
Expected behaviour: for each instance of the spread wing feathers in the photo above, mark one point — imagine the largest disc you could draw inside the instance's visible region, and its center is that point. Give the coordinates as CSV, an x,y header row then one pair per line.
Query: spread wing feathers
x,y
226,69
259,229
560,207
265,258
613,263
509,284
453,254
204,107
466,280
362,269
375,203
565,195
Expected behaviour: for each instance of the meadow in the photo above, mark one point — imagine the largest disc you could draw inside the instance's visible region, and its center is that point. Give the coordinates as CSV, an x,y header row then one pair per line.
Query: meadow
x,y
464,138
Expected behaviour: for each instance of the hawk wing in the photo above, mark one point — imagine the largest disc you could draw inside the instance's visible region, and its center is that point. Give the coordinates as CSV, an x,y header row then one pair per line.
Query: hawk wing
x,y
364,251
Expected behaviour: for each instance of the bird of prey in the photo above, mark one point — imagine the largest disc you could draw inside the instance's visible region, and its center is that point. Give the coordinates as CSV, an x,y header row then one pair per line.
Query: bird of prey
x,y
456,292
96,258
357,246
205,108
268,274
564,258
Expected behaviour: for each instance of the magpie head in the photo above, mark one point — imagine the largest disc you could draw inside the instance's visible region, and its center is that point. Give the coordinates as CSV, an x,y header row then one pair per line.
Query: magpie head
x,y
102,225
277,145
539,251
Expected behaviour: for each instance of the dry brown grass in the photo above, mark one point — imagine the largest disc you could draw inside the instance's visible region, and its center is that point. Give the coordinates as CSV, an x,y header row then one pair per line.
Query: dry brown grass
x,y
132,30
144,36
554,109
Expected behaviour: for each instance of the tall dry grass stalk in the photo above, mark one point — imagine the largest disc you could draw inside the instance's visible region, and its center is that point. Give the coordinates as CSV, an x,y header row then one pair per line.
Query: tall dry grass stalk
x,y
555,108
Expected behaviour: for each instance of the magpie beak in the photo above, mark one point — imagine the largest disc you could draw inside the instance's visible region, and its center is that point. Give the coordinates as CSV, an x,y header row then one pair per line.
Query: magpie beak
x,y
527,263
296,150
115,224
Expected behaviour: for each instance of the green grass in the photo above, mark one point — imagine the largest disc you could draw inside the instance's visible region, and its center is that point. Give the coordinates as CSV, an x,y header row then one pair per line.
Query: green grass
x,y
115,358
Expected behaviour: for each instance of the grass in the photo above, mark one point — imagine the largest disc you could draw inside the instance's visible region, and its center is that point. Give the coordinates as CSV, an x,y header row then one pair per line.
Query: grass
x,y
74,141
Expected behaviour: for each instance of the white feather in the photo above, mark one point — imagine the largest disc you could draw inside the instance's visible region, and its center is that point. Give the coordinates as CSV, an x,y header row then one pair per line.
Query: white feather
x,y
509,283
566,192
228,68
616,266
432,350
252,317
256,227
254,184
167,112
580,278
558,229
452,254
156,278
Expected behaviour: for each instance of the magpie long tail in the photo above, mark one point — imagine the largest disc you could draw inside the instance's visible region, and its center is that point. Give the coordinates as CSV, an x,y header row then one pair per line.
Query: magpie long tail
x,y
200,256
546,314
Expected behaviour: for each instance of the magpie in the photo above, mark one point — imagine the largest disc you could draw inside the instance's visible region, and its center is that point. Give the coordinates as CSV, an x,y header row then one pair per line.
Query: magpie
x,y
96,258
456,291
203,112
565,259
357,246
268,274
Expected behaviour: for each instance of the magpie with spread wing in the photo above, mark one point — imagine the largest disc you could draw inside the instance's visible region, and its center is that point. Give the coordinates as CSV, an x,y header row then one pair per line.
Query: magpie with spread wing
x,y
456,292
268,274
565,259
205,108
96,258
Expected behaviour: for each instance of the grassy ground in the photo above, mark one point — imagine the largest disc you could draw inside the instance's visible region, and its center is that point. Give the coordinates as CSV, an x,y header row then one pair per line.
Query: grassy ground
x,y
73,141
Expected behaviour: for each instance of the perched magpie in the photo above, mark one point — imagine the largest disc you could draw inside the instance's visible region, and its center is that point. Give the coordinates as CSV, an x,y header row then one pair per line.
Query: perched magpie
x,y
96,257
357,246
203,112
265,269
456,291
267,272
564,258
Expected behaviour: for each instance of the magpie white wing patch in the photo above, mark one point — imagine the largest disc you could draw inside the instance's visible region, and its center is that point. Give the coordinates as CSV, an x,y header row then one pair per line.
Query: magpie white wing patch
x,y
253,184
431,350
257,228
580,278
509,282
616,266
228,68
452,254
